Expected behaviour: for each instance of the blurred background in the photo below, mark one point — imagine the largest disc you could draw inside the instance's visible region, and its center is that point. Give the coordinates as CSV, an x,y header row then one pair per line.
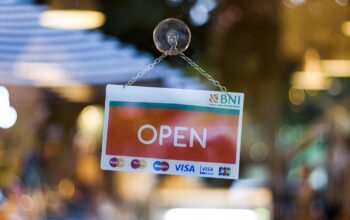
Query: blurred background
x,y
291,58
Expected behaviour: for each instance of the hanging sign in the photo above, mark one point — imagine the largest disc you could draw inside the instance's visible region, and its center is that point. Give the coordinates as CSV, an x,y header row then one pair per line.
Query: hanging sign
x,y
172,131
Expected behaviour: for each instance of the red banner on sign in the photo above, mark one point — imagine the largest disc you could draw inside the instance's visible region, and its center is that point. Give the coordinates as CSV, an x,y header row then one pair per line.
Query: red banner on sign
x,y
180,133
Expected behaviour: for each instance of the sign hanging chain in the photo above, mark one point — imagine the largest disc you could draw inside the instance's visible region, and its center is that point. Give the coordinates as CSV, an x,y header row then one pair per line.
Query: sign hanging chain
x,y
203,72
149,67
173,43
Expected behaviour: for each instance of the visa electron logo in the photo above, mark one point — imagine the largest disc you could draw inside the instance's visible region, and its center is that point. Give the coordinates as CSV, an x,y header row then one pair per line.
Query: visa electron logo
x,y
224,171
224,99
206,170
185,168
161,166
138,164
117,162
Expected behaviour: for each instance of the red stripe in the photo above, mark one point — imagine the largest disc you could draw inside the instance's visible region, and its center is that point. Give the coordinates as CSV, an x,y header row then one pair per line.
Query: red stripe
x,y
124,123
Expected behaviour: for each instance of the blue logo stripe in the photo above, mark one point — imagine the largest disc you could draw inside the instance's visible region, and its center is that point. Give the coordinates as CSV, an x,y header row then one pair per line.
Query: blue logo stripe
x,y
175,106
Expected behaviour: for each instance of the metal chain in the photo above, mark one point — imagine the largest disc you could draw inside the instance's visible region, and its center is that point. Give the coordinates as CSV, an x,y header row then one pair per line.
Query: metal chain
x,y
173,48
203,72
147,69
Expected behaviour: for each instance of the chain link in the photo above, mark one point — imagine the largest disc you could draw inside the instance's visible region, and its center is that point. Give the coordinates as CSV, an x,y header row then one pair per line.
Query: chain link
x,y
203,72
147,69
183,56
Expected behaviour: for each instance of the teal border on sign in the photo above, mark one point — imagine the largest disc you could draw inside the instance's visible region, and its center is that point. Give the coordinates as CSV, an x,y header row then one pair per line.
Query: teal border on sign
x,y
175,106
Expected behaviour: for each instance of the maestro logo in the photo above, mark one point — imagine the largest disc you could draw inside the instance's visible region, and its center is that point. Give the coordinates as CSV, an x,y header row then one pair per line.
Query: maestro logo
x,y
224,99
117,162
224,171
142,164
161,166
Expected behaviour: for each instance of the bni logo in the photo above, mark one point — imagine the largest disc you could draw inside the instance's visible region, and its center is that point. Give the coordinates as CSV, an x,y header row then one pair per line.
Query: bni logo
x,y
214,98
224,99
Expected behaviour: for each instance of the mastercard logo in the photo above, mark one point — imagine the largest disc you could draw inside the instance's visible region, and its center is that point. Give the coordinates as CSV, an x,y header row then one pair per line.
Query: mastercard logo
x,y
161,166
142,164
117,162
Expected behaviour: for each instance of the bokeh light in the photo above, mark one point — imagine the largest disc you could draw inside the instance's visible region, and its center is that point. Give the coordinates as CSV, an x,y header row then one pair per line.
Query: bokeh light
x,y
88,169
72,19
26,202
296,95
342,2
345,27
335,87
318,179
199,12
293,3
259,152
208,4
262,214
8,117
4,98
174,3
66,188
90,119
8,114
206,214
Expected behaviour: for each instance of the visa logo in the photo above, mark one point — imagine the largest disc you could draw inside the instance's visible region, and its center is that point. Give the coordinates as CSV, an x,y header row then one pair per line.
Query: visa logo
x,y
206,170
184,168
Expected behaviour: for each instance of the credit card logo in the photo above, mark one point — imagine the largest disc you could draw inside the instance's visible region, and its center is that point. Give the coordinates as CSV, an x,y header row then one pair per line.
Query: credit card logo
x,y
185,168
135,164
204,170
161,166
117,162
224,171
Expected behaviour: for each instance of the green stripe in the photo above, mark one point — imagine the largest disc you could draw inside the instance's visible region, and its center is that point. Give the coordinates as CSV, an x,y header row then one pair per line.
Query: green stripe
x,y
175,106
